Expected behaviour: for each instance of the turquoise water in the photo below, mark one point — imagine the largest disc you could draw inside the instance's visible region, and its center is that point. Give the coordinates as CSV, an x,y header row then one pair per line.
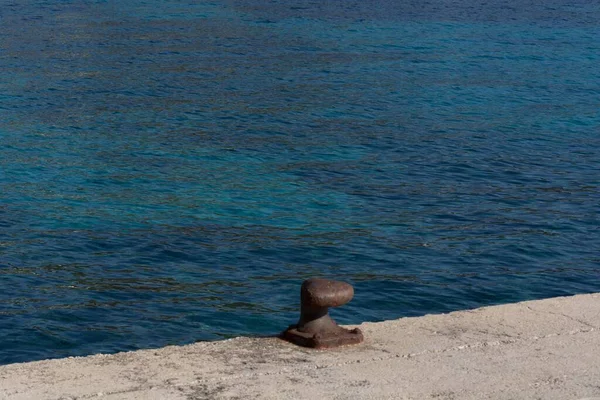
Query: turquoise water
x,y
170,171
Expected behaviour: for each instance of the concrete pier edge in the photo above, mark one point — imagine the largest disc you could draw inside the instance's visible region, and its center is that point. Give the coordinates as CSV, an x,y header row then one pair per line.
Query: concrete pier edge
x,y
544,349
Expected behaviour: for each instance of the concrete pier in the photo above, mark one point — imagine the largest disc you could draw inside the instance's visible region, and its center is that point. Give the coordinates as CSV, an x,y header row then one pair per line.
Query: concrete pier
x,y
547,349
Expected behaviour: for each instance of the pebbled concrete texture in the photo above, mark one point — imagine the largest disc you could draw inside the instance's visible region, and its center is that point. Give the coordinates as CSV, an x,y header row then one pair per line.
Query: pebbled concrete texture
x,y
547,349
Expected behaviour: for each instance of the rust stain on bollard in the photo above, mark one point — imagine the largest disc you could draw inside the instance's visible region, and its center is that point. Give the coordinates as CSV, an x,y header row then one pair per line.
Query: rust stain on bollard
x,y
315,328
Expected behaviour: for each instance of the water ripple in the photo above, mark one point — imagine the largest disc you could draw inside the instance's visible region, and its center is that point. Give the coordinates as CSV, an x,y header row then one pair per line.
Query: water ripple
x,y
171,172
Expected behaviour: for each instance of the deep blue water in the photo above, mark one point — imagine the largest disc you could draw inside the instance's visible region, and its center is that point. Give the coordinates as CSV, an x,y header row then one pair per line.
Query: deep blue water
x,y
170,171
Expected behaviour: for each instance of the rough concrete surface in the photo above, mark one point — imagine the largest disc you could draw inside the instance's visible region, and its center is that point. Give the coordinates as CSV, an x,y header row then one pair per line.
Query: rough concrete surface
x,y
548,349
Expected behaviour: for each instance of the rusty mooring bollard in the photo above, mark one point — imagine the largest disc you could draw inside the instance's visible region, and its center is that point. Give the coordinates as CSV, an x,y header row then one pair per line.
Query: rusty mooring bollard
x,y
316,328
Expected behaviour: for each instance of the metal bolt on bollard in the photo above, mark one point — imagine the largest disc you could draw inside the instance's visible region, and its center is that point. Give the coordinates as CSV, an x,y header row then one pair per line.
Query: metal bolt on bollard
x,y
315,328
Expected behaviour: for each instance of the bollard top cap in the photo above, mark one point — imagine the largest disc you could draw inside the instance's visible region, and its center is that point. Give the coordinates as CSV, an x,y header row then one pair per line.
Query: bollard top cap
x,y
317,292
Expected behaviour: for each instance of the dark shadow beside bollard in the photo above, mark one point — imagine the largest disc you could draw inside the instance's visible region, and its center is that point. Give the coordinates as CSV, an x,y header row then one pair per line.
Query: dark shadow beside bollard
x,y
315,328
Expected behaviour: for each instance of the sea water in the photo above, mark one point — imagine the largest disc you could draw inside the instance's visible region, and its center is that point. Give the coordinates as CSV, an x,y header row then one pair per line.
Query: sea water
x,y
170,170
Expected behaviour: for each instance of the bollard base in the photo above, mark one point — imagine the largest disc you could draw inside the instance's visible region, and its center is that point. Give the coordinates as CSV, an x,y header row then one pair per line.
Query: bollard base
x,y
323,340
